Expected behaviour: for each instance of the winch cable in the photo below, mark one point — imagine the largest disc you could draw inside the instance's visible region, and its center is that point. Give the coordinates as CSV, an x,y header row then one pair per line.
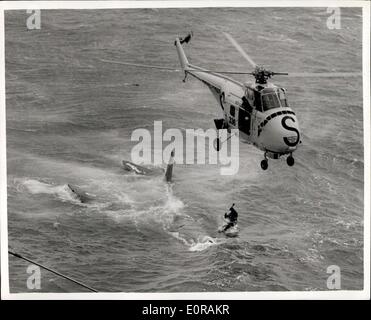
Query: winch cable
x,y
52,271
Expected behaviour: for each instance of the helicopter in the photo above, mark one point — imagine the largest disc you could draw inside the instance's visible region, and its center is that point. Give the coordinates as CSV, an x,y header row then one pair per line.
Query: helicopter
x,y
258,109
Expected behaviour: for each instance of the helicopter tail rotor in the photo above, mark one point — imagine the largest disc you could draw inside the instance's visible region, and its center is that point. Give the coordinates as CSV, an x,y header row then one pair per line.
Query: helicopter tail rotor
x,y
187,38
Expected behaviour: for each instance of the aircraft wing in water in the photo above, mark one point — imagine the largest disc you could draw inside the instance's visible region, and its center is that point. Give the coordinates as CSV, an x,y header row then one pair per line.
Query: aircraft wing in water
x,y
132,167
146,171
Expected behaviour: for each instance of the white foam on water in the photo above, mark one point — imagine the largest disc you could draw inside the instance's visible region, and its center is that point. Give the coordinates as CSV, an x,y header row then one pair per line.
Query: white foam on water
x,y
166,212
172,208
205,242
177,235
149,202
162,213
61,192
173,204
202,243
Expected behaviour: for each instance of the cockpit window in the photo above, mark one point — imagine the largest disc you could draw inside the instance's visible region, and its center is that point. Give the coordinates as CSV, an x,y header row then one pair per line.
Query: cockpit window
x,y
270,101
283,98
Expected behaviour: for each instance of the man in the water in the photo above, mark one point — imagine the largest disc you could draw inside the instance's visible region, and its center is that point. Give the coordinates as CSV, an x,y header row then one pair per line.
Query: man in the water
x,y
232,218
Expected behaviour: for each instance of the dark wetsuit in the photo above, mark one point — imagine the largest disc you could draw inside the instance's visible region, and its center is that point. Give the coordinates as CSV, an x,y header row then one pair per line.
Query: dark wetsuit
x,y
232,217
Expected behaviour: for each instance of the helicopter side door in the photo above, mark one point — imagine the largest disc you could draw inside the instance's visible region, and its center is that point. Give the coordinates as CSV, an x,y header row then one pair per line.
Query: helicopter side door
x,y
256,115
233,115
245,113
244,121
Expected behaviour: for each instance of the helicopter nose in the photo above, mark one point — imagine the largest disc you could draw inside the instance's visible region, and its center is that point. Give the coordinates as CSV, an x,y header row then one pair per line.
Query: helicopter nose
x,y
280,132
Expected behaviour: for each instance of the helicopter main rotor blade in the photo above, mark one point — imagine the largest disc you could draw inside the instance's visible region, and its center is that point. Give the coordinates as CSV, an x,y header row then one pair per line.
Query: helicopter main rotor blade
x,y
141,65
239,49
225,72
291,74
169,68
324,74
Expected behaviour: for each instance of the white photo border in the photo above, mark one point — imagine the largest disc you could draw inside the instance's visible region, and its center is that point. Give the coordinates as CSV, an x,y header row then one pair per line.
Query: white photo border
x,y
266,295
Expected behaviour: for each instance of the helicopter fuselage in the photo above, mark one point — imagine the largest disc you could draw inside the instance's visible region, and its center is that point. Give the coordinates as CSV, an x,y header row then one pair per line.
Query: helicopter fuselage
x,y
263,119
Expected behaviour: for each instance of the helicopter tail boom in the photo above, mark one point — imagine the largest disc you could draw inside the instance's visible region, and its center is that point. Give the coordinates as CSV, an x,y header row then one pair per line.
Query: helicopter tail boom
x,y
179,48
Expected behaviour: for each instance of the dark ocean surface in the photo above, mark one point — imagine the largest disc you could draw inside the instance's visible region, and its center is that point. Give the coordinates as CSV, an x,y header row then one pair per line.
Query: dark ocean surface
x,y
70,118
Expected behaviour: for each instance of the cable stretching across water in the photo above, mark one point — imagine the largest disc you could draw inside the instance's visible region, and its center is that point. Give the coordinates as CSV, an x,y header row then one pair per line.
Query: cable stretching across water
x,y
51,270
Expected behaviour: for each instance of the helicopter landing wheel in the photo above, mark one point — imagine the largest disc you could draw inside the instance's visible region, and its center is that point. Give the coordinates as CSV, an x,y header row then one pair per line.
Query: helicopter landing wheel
x,y
264,164
217,144
290,160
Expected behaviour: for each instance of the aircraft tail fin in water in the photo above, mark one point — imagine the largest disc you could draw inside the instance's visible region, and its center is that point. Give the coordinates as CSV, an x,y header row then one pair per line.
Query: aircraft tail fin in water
x,y
182,56
78,194
169,169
